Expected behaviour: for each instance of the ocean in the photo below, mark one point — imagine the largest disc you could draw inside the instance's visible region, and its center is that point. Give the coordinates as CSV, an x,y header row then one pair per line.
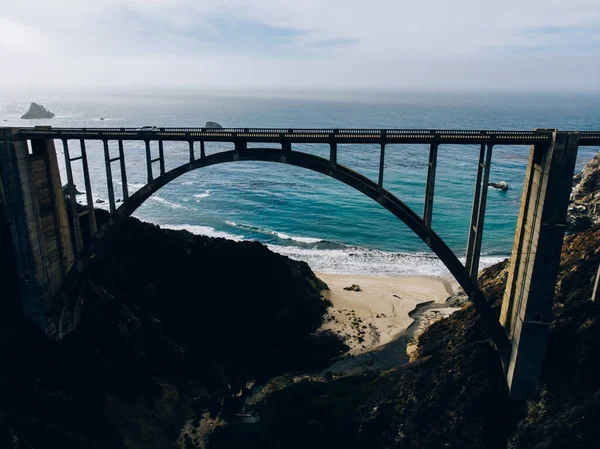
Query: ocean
x,y
305,215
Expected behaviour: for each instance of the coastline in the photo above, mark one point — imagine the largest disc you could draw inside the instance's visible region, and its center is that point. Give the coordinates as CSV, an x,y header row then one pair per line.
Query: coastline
x,y
381,312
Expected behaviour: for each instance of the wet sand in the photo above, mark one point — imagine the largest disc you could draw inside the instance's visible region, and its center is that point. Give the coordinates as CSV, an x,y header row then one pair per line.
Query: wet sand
x,y
380,311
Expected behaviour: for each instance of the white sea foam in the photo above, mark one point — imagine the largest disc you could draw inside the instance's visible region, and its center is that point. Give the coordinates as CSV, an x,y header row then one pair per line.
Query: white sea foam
x,y
277,234
168,203
187,183
354,260
203,230
82,199
204,194
135,186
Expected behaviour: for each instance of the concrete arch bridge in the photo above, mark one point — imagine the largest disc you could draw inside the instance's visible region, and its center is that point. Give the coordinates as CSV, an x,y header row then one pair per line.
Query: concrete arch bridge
x,y
52,258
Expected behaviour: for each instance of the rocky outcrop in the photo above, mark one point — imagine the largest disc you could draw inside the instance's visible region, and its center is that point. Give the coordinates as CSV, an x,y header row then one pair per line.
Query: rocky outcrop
x,y
454,393
213,125
173,326
37,111
584,209
66,190
502,185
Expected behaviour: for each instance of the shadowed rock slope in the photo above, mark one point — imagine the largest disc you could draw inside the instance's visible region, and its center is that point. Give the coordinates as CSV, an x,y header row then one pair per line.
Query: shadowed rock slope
x,y
454,394
172,325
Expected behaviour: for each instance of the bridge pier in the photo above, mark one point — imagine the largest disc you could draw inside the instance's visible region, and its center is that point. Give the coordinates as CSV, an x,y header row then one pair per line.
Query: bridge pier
x,y
527,305
478,212
34,210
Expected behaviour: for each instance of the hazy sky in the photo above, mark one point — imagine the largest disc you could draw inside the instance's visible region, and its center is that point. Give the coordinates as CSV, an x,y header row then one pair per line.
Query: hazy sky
x,y
398,44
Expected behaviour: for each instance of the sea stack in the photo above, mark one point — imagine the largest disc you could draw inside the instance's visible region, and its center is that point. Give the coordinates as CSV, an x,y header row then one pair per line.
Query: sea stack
x,y
37,111
213,125
502,185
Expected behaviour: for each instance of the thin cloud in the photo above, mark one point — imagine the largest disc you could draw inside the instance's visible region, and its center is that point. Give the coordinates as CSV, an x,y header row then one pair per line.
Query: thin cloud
x,y
303,43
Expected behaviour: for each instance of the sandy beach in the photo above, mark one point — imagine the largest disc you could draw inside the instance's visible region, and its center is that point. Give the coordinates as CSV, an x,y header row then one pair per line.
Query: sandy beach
x,y
376,314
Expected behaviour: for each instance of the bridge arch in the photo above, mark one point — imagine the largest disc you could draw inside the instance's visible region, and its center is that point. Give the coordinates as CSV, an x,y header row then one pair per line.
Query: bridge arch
x,y
393,204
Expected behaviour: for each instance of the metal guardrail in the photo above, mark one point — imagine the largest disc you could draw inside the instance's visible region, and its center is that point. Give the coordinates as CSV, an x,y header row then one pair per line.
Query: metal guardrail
x,y
308,135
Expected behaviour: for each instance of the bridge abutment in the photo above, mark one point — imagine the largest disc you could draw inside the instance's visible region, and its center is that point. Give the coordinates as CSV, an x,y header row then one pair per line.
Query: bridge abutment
x,y
35,214
527,304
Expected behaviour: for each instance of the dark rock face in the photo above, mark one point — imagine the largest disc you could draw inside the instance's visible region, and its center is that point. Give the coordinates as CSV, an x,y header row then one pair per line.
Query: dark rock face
x,y
436,402
417,406
213,125
37,111
454,395
66,189
172,325
502,185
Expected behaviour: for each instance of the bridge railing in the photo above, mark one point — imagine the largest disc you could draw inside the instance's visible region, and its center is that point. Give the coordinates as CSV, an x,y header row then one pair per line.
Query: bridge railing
x,y
305,135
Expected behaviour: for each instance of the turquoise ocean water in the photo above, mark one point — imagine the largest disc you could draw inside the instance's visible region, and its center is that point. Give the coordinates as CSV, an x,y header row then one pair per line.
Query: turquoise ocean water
x,y
306,215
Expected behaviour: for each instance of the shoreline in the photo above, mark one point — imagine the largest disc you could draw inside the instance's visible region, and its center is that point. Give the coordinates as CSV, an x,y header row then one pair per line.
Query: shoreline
x,y
376,321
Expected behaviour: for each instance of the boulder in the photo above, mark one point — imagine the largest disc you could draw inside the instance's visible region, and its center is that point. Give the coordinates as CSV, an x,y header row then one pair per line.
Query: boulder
x,y
353,288
213,125
502,185
65,190
37,111
99,201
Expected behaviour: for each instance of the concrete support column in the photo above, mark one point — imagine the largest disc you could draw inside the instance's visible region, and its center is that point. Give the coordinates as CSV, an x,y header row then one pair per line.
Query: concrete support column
x,y
38,224
527,304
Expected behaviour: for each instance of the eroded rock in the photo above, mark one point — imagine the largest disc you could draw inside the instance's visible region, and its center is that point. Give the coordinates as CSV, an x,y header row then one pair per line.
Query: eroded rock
x,y
37,111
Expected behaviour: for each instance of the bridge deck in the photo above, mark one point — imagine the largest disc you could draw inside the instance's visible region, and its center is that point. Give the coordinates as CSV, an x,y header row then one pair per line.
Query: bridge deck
x,y
339,136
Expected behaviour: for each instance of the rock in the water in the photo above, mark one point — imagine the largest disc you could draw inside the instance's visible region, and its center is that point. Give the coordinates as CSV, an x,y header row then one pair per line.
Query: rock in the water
x,y
101,118
65,190
37,111
213,125
502,185
99,201
353,288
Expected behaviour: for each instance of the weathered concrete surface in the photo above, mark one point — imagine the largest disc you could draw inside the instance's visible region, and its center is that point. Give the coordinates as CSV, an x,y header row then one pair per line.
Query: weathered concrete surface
x,y
535,259
38,224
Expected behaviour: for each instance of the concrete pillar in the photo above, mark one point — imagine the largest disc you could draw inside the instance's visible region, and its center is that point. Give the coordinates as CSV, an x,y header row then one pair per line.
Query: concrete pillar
x,y
527,304
38,223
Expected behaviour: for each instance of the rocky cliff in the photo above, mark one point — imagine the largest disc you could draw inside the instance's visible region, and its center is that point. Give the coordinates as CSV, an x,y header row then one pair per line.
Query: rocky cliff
x,y
174,326
179,331
584,209
454,393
